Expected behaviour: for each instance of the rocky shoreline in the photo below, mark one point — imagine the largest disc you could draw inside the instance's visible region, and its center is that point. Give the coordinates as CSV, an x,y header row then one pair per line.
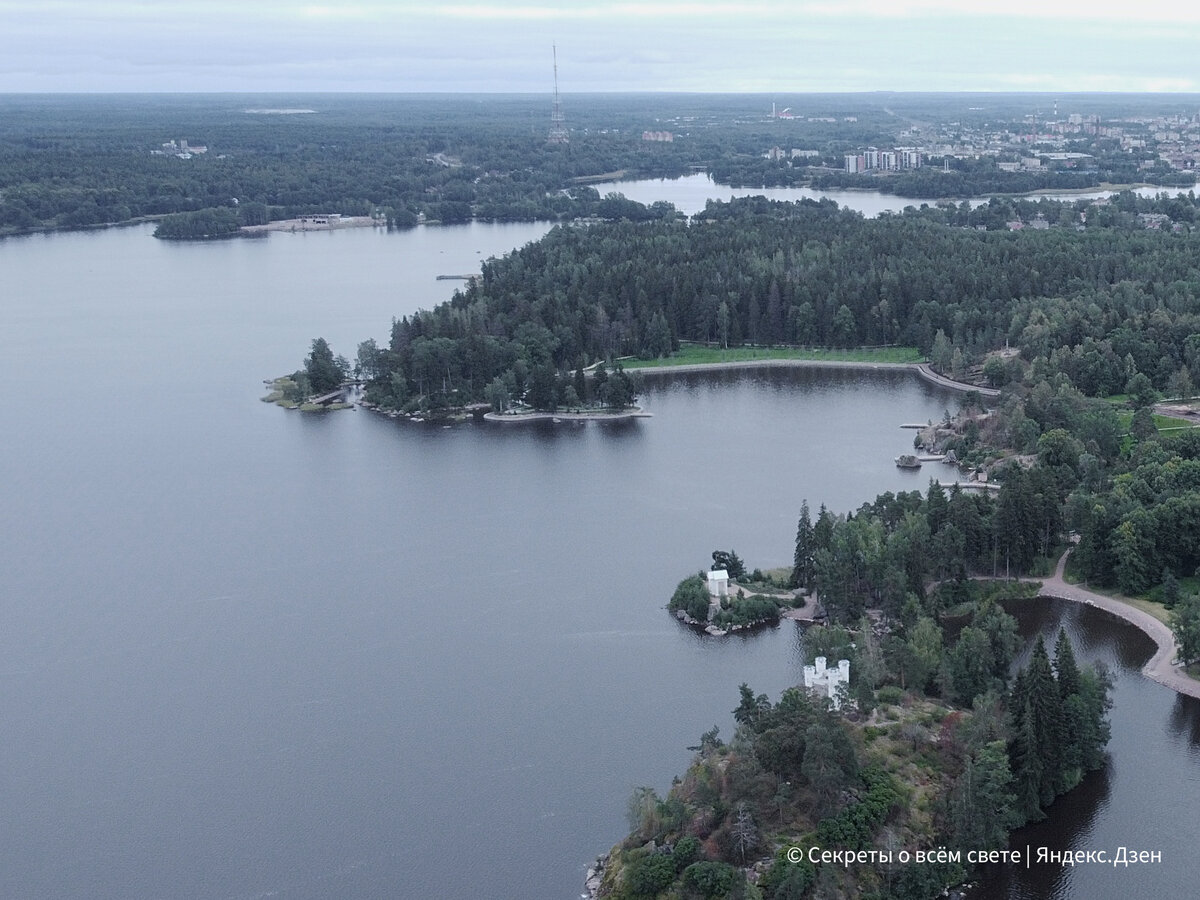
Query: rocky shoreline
x,y
716,631
595,877
635,412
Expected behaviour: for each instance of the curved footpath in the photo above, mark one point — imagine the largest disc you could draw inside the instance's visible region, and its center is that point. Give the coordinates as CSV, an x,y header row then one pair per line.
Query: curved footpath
x,y
926,372
922,369
1161,667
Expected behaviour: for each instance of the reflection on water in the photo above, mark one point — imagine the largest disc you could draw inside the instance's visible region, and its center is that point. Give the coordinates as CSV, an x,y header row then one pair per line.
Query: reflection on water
x,y
1151,781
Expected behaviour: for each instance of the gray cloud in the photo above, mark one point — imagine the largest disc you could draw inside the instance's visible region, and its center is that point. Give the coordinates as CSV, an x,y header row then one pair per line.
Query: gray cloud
x,y
400,46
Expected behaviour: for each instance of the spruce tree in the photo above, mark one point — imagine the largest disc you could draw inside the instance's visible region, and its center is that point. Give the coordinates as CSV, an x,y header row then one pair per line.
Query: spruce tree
x,y
1045,716
802,561
1066,670
1078,728
1171,591
1027,769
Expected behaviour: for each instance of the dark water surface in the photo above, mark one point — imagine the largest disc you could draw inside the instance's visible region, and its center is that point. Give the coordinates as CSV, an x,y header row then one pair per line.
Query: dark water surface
x,y
1142,800
252,653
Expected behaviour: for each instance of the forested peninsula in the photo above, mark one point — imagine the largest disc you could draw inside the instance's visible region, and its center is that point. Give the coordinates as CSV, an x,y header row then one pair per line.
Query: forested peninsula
x,y
1098,311
936,752
1082,325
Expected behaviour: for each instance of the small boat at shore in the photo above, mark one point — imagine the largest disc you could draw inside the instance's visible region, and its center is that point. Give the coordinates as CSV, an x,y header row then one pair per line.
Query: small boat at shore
x,y
908,461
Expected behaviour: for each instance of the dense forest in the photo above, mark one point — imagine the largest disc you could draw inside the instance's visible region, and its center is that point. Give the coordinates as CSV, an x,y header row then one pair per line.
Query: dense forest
x,y
69,161
981,177
75,161
199,225
935,746
1100,298
936,743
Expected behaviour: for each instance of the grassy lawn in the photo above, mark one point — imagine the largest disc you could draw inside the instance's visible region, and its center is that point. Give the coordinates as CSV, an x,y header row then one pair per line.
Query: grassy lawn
x,y
1162,423
1146,604
1157,610
690,354
1188,585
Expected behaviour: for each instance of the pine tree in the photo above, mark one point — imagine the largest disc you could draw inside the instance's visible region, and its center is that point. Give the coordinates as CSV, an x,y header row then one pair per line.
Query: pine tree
x,y
1095,688
982,801
937,507
823,529
1171,591
744,831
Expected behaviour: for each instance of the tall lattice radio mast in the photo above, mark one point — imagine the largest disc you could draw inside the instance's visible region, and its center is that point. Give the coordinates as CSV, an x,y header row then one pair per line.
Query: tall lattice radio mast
x,y
558,126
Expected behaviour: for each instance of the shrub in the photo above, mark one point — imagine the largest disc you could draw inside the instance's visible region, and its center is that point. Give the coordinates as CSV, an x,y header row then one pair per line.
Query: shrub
x,y
691,596
687,851
890,694
646,875
709,879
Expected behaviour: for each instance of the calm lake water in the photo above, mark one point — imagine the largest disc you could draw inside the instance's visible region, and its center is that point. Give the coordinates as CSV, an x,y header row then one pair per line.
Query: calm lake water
x,y
692,192
253,653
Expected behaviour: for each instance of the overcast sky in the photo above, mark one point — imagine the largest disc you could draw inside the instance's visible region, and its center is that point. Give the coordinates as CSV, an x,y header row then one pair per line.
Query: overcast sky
x,y
701,45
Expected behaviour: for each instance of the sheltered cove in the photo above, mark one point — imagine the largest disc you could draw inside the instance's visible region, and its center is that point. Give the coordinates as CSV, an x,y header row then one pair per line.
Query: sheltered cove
x,y
924,370
1161,666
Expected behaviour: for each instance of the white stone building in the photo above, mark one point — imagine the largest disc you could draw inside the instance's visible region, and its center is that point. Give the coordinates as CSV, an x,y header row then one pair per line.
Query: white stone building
x,y
826,682
718,583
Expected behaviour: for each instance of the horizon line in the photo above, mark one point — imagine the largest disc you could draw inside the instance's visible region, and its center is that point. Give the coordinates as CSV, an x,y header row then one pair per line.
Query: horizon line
x,y
539,93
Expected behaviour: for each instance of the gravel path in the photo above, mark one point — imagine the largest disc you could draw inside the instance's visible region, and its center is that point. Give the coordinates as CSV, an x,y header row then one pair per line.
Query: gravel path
x,y
1161,667
922,369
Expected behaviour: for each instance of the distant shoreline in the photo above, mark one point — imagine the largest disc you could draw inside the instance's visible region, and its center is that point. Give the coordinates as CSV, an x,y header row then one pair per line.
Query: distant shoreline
x,y
334,224
635,412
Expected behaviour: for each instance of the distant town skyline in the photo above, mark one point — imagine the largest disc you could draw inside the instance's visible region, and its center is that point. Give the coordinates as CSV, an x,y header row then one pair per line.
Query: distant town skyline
x,y
700,46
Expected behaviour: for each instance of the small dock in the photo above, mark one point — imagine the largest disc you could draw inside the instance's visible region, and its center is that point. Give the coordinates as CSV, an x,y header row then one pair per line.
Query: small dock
x,y
915,426
339,394
331,397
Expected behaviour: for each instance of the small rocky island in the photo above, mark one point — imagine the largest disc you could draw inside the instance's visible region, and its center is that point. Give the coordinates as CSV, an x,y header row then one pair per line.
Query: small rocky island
x,y
728,598
324,382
